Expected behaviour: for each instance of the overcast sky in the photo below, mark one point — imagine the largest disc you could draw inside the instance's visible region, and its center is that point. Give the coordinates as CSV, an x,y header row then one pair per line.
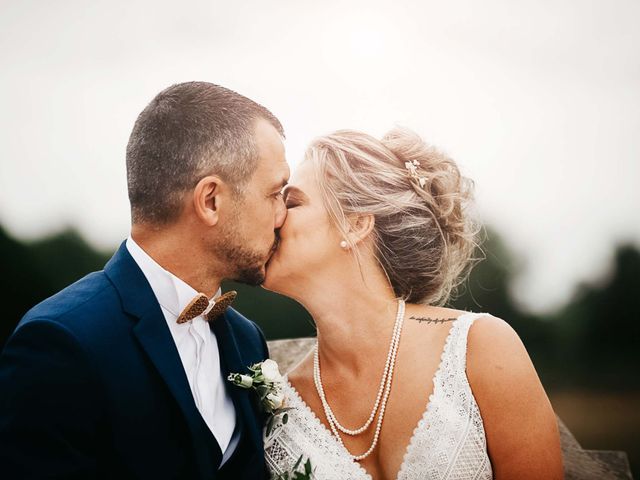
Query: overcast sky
x,y
538,101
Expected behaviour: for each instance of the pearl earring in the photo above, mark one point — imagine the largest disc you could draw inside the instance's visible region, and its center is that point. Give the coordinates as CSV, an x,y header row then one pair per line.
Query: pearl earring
x,y
343,244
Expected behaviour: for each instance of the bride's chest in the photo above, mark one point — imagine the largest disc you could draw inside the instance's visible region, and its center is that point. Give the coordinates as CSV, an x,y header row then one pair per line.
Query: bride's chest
x,y
403,418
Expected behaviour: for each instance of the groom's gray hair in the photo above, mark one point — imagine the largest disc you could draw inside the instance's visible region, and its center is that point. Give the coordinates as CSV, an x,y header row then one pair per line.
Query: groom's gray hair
x,y
189,131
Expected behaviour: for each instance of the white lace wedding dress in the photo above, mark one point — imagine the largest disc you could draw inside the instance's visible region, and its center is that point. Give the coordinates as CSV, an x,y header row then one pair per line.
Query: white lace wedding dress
x,y
448,442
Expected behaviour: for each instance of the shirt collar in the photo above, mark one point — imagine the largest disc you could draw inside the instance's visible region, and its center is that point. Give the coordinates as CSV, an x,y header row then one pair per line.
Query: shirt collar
x,y
173,294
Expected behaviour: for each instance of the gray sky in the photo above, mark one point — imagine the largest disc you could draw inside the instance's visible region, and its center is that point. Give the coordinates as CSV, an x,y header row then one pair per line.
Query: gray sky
x,y
538,100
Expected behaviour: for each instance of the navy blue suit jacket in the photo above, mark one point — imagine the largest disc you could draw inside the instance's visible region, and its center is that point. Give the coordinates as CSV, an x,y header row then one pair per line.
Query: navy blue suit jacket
x,y
92,386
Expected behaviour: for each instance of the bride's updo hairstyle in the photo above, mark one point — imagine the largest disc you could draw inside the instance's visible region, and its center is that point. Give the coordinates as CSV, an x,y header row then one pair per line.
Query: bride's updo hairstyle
x,y
424,236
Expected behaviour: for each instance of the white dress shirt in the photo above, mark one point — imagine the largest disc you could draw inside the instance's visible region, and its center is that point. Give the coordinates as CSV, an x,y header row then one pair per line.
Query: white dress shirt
x,y
198,349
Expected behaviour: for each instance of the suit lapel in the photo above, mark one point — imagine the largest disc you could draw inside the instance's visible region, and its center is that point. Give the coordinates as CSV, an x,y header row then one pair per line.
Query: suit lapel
x,y
232,361
155,338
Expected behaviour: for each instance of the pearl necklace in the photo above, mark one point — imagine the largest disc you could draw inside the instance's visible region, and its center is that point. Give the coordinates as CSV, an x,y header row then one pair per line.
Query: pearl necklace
x,y
383,391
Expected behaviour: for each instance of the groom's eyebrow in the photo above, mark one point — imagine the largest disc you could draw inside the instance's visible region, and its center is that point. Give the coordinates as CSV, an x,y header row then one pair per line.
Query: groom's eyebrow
x,y
281,185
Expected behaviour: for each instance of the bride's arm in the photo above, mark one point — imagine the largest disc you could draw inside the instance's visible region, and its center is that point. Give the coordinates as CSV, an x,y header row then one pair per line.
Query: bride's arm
x,y
521,428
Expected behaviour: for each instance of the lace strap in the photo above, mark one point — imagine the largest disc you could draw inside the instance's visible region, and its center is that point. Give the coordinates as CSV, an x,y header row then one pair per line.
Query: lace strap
x,y
459,341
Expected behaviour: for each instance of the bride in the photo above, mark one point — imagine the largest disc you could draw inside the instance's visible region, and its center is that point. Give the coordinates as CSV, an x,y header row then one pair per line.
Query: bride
x,y
377,235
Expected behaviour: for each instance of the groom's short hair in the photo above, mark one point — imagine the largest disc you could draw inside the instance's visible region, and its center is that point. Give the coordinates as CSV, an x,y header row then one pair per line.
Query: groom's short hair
x,y
188,131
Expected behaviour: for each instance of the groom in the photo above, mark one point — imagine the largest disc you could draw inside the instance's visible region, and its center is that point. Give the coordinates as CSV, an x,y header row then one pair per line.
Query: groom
x,y
118,375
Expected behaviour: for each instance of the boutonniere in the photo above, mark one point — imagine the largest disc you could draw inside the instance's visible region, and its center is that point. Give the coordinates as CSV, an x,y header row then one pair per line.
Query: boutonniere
x,y
265,379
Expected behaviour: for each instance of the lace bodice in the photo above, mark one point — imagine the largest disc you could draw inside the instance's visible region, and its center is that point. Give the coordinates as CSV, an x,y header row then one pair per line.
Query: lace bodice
x,y
448,442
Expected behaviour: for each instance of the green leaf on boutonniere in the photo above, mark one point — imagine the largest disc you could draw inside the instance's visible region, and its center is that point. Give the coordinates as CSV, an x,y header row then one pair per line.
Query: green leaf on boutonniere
x,y
269,425
263,391
265,379
295,474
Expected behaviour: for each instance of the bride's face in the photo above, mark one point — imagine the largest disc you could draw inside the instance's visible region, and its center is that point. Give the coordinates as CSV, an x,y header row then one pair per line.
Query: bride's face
x,y
309,242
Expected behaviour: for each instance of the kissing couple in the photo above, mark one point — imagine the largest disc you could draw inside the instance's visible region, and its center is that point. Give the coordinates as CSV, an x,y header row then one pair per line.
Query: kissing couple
x,y
126,373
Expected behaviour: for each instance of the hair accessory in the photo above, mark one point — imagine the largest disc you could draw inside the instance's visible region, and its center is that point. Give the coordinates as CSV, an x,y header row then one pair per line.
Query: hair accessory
x,y
413,171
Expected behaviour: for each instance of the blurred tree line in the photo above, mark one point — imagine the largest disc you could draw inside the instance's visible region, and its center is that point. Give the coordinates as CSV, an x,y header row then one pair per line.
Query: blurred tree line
x,y
591,342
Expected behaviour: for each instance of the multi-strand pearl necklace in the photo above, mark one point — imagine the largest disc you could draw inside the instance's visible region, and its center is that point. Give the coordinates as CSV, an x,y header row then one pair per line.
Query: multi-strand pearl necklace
x,y
381,398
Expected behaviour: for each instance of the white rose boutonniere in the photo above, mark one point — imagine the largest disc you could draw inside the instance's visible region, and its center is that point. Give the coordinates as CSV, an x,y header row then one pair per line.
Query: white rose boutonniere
x,y
275,400
271,371
265,379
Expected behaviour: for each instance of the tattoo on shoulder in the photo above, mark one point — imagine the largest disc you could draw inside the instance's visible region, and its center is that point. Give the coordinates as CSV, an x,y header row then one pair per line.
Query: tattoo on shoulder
x,y
428,320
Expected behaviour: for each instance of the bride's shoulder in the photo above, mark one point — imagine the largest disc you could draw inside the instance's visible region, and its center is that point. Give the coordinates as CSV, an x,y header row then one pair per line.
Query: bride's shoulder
x,y
496,358
491,340
510,396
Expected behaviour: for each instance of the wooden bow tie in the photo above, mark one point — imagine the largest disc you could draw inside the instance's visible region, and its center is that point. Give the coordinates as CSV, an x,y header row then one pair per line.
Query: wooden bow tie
x,y
200,304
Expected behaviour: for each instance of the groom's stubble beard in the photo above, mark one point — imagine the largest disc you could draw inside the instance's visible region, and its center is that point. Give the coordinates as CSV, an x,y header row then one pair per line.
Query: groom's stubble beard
x,y
244,263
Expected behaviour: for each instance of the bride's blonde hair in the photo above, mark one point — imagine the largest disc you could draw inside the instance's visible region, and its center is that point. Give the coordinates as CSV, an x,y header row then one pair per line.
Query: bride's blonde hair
x,y
424,235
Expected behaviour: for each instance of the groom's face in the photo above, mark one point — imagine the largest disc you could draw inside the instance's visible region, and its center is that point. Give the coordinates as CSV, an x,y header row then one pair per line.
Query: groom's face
x,y
251,235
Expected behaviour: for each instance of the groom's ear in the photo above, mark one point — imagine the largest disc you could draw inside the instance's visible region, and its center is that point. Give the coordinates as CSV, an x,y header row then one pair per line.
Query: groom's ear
x,y
208,196
360,226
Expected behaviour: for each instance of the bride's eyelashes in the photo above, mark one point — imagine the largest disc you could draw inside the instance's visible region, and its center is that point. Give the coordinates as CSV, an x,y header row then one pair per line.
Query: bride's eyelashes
x,y
294,197
293,200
